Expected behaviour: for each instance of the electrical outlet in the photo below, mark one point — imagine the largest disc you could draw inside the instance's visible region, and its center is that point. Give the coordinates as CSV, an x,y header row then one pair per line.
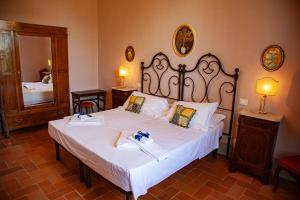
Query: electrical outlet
x,y
243,102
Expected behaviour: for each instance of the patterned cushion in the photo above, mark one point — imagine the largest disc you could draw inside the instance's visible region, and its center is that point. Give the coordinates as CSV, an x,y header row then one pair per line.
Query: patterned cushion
x,y
183,116
291,163
135,104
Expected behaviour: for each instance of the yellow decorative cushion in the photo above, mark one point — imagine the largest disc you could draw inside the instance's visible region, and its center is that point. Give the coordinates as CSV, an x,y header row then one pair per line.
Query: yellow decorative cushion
x,y
135,104
183,116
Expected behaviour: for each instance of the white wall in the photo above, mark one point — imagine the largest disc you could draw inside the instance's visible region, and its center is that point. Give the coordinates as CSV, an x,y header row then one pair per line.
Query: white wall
x,y
81,19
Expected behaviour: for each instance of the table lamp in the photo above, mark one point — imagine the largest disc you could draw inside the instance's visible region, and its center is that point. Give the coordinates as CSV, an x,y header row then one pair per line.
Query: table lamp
x,y
123,72
267,87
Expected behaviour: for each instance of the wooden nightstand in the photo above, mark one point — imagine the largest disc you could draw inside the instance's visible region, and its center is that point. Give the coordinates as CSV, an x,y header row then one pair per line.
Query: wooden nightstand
x,y
255,143
120,95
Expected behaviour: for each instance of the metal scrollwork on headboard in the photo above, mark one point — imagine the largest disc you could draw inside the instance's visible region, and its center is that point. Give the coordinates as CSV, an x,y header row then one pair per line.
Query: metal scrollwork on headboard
x,y
162,71
209,69
216,85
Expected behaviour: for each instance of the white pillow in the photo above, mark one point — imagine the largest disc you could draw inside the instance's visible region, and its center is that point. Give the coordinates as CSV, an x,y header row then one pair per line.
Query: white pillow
x,y
216,119
153,106
202,117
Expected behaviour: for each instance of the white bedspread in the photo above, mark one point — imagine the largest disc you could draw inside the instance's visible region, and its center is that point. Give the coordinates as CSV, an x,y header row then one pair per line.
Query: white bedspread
x,y
131,169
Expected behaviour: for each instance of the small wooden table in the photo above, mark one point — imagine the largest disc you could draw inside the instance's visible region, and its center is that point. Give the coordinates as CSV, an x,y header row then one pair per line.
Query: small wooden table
x,y
96,96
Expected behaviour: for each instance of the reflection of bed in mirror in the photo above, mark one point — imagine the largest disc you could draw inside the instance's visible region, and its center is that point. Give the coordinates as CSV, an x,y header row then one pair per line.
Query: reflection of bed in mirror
x,y
37,93
36,65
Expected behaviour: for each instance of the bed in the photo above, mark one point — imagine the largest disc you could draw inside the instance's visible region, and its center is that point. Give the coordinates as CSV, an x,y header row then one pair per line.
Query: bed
x,y
132,170
37,92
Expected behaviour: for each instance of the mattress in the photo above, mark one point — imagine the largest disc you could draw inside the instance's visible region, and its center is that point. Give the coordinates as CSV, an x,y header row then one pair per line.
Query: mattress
x,y
133,170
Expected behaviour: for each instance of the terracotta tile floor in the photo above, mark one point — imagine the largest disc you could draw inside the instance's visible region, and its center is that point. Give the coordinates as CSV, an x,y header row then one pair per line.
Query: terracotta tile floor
x,y
28,170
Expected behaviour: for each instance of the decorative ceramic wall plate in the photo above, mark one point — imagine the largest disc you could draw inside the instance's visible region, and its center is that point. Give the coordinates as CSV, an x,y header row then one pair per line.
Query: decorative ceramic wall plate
x,y
183,40
272,58
129,53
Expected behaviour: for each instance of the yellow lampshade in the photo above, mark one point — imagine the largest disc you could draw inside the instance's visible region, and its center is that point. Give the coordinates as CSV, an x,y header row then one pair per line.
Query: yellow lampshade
x,y
267,86
123,71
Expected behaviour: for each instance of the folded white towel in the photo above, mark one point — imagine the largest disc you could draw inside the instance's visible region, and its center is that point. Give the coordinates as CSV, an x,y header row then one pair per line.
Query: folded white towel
x,y
90,121
144,139
83,117
123,142
153,150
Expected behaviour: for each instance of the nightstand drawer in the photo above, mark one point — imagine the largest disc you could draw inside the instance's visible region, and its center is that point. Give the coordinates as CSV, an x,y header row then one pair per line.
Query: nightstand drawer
x,y
257,123
36,118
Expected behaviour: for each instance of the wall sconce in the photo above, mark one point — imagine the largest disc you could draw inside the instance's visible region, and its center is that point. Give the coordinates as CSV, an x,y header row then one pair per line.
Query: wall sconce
x,y
267,87
123,72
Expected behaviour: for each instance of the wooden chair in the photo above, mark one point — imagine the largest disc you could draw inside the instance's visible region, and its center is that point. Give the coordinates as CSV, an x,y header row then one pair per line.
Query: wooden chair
x,y
88,106
290,164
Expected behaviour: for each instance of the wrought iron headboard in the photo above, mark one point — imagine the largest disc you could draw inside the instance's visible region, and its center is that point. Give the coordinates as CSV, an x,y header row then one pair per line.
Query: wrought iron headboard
x,y
216,84
160,64
182,82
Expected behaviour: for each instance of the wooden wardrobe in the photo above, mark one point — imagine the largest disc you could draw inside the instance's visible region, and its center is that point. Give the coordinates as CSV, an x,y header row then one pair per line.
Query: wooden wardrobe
x,y
26,50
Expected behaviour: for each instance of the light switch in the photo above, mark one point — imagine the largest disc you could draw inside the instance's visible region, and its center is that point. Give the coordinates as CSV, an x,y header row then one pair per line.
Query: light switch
x,y
139,84
243,102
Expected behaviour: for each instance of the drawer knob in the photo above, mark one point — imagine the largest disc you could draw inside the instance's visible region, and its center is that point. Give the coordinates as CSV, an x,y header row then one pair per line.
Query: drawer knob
x,y
18,121
61,112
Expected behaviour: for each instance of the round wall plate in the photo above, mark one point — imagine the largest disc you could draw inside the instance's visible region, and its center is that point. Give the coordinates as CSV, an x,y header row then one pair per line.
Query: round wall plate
x,y
272,58
183,40
129,53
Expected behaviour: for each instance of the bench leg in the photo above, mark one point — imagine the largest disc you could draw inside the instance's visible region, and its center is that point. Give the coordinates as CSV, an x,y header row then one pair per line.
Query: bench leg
x,y
277,172
81,171
88,183
57,152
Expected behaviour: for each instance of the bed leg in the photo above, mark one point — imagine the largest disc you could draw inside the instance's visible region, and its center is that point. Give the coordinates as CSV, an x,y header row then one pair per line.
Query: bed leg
x,y
57,152
228,147
215,153
128,196
87,177
81,171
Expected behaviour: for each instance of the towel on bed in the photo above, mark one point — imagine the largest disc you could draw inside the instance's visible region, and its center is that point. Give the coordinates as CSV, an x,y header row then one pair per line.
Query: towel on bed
x,y
143,137
141,140
86,121
153,150
123,142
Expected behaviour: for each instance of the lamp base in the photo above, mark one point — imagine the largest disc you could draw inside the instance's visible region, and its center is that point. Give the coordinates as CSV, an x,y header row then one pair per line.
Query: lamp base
x,y
263,105
122,87
262,112
122,82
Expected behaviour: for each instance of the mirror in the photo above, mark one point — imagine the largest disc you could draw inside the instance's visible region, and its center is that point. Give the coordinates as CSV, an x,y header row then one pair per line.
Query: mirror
x,y
36,66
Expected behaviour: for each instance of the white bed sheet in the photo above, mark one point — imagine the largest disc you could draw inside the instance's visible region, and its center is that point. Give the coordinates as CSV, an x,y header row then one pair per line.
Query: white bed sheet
x,y
37,92
131,169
